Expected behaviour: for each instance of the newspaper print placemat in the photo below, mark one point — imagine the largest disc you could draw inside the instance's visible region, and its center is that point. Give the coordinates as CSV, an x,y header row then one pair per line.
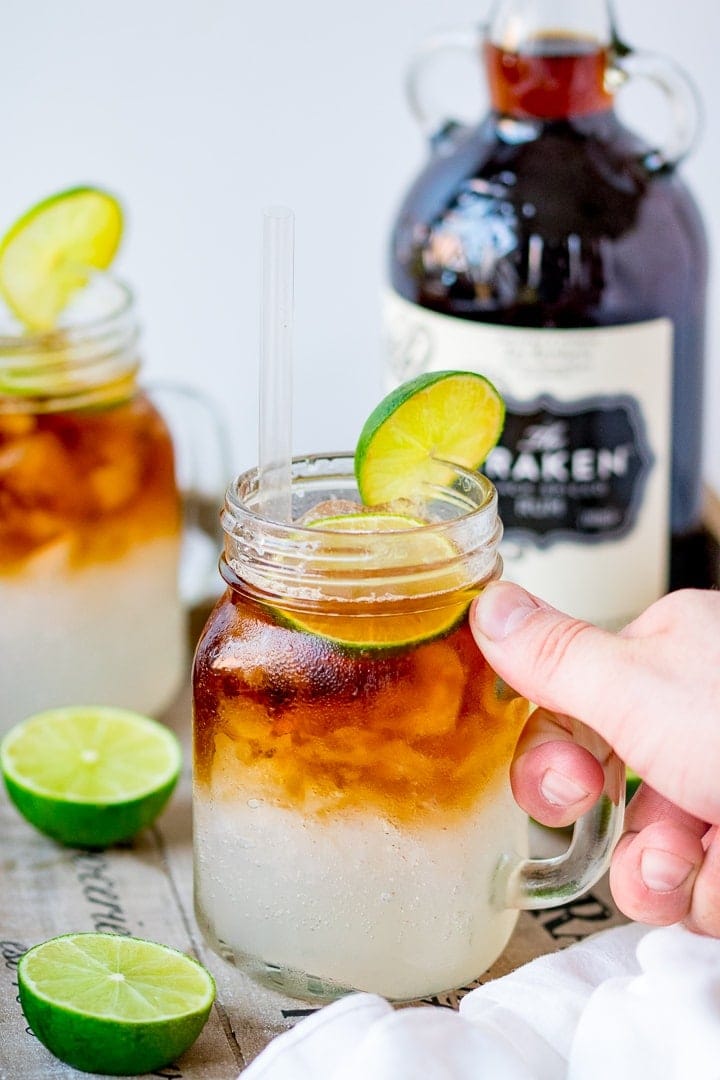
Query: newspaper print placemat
x,y
145,889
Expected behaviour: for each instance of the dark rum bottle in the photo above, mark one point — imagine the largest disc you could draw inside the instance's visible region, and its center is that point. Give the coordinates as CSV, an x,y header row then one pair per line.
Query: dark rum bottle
x,y
552,249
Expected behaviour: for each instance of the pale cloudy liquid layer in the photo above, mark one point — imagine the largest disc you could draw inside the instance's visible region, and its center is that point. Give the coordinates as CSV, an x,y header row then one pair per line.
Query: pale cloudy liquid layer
x,y
109,632
403,911
351,806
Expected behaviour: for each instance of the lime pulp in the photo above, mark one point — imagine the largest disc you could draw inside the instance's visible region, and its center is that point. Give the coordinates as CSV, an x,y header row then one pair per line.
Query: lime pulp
x,y
111,1004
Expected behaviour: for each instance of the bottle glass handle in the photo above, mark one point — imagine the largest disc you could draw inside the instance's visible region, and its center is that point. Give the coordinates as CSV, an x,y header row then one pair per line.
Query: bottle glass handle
x,y
628,64
203,468
540,883
430,114
679,94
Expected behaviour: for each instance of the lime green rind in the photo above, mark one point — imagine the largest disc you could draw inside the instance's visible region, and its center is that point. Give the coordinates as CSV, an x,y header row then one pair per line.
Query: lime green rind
x,y
632,783
355,648
115,1045
90,805
133,1052
40,383
39,273
89,824
365,523
51,200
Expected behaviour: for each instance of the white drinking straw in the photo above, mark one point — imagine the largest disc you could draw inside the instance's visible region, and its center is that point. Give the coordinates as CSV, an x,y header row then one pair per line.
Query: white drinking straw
x,y
275,434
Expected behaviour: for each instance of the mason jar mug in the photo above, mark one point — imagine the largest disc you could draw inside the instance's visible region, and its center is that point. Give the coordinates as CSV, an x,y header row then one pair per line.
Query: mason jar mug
x,y
90,519
354,823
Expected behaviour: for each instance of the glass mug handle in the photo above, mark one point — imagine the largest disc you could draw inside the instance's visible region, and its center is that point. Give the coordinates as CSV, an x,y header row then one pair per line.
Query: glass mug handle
x,y
203,468
529,884
679,93
438,126
627,64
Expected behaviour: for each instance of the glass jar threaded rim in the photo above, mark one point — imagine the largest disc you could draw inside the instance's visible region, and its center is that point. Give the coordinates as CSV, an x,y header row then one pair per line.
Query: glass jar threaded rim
x,y
451,545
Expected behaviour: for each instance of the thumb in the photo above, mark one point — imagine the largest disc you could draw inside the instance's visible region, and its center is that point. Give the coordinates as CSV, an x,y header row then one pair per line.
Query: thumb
x,y
559,663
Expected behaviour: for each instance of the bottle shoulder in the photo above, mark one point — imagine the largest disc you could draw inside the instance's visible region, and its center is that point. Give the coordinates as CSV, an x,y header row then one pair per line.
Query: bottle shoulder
x,y
557,222
587,174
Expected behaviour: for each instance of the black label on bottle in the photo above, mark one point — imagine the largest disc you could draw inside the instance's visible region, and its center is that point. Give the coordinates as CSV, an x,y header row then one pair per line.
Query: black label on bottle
x,y
570,470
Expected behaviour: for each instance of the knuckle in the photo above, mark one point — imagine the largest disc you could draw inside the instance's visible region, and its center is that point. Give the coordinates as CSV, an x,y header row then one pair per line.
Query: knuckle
x,y
677,607
557,645
684,606
705,921
705,909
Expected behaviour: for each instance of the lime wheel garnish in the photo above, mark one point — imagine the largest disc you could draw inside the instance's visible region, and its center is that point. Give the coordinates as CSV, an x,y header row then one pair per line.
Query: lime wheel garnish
x,y
49,253
442,416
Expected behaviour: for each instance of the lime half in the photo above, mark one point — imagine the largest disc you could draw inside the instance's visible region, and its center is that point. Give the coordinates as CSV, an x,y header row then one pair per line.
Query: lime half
x,y
442,416
90,777
369,625
50,251
114,1005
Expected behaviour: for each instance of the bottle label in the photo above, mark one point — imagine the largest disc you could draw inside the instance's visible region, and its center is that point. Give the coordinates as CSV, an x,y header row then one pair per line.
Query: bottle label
x,y
571,469
583,465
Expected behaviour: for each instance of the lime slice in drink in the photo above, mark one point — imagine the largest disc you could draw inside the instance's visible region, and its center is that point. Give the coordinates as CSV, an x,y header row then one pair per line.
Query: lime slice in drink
x,y
632,783
381,625
365,522
50,251
90,777
454,416
114,1005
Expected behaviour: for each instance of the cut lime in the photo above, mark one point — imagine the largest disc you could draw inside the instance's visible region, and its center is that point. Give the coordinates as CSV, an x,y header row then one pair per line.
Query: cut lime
x,y
90,777
632,783
366,522
114,1005
369,625
58,381
442,416
50,251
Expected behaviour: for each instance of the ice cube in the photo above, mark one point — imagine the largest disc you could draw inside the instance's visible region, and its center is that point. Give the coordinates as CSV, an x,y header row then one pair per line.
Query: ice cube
x,y
330,508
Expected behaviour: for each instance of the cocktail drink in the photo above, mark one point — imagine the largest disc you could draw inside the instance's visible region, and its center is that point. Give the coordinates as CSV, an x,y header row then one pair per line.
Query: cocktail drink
x,y
352,745
354,824
90,516
89,520
354,827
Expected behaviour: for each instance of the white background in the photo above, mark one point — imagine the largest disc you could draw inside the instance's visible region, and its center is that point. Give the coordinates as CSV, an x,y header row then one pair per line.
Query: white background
x,y
199,113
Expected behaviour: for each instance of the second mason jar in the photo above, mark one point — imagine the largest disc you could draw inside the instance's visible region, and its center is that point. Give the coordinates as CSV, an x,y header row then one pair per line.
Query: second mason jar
x,y
90,519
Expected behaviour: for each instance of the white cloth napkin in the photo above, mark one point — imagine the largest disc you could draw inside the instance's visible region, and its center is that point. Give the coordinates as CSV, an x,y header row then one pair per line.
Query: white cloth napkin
x,y
626,1003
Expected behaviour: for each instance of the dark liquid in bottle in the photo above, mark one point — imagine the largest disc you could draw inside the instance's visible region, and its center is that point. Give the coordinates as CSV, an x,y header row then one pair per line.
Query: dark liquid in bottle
x,y
550,213
551,78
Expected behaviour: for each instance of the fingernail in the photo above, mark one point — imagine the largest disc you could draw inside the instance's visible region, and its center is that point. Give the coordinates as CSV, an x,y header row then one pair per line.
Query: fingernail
x,y
662,871
559,790
501,609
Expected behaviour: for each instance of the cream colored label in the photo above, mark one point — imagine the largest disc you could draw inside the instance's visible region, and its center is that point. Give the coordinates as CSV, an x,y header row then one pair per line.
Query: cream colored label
x,y
583,468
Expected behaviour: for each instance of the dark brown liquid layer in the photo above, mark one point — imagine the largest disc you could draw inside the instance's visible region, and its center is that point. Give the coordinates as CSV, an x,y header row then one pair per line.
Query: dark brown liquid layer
x,y
304,722
101,479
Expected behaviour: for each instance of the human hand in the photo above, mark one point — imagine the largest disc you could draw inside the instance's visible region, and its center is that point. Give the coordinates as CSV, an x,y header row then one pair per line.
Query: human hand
x,y
653,692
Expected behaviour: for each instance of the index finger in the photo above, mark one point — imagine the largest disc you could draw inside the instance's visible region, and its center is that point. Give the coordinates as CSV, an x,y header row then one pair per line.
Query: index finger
x,y
553,779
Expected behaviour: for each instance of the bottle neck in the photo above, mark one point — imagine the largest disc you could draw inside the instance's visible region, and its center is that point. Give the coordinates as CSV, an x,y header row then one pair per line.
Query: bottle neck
x,y
548,59
91,360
